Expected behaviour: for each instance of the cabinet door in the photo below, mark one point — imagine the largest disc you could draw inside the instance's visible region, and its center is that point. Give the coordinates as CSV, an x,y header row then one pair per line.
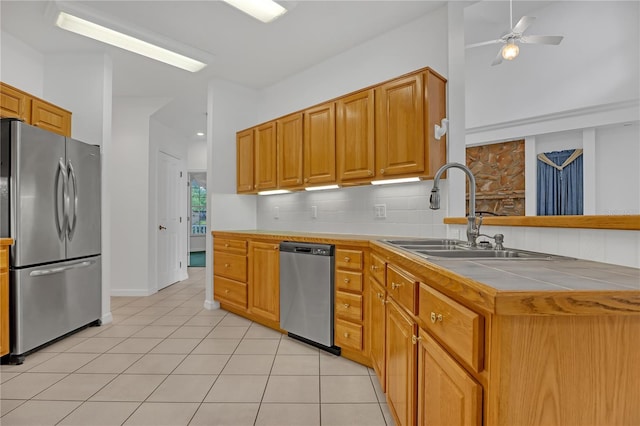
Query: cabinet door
x,y
290,151
264,280
320,144
376,325
447,395
14,103
355,142
265,143
4,300
50,117
244,161
400,129
401,364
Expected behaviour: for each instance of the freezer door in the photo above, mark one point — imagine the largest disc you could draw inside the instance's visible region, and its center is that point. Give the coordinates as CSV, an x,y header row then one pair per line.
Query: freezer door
x,y
37,195
51,300
83,169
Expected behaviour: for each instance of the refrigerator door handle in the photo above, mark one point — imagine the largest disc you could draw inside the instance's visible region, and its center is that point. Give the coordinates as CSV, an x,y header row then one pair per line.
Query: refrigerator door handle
x,y
61,172
71,226
79,265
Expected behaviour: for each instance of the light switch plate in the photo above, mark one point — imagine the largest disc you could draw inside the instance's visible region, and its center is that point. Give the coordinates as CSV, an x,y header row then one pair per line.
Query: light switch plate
x,y
380,211
276,212
314,212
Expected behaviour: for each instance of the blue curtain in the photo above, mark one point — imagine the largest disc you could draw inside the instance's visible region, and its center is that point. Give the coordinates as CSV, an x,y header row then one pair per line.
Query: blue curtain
x,y
560,192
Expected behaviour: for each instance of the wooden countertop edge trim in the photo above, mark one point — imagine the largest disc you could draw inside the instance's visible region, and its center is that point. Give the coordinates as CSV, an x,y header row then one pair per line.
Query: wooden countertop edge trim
x,y
478,296
626,222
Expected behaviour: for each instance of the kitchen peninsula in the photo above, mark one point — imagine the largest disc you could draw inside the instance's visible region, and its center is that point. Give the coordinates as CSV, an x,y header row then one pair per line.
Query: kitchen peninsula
x,y
502,341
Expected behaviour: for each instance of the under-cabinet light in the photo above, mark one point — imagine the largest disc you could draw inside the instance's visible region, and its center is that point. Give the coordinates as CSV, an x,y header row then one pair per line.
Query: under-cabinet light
x,y
263,10
274,192
390,181
98,32
321,188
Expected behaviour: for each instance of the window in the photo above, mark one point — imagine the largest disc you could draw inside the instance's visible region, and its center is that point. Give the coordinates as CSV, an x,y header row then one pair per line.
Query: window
x,y
198,204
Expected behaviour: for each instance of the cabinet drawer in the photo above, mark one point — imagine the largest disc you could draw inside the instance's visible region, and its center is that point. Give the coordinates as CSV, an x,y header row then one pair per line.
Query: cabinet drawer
x,y
231,266
230,246
349,306
457,327
403,288
378,268
229,291
348,335
349,259
347,280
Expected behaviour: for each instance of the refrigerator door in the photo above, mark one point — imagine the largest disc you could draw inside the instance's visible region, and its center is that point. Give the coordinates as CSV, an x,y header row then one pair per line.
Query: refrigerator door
x,y
83,228
52,300
37,195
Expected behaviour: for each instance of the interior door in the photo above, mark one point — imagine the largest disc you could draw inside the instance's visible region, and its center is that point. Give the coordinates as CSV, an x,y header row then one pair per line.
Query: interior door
x,y
168,227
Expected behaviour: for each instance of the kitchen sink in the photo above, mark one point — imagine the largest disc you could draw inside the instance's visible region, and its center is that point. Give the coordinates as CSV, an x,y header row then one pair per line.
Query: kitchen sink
x,y
456,249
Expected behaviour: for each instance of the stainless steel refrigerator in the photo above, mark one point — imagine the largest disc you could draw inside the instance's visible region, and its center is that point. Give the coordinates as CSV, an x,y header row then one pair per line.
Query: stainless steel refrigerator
x,y
50,206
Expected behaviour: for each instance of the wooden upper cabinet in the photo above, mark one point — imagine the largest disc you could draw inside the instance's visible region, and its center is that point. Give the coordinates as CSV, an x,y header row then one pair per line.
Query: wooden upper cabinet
x,y
320,144
14,103
244,161
290,141
265,151
435,111
264,280
50,117
355,136
400,127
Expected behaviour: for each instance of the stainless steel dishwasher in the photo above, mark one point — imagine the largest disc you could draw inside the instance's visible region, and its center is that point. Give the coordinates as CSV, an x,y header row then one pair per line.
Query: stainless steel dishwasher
x,y
306,293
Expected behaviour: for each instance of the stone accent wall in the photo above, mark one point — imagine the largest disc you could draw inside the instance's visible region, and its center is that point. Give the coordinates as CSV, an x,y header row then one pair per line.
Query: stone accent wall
x,y
499,172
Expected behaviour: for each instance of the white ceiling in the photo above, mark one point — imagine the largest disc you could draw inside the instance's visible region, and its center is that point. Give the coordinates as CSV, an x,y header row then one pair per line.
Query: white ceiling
x,y
244,50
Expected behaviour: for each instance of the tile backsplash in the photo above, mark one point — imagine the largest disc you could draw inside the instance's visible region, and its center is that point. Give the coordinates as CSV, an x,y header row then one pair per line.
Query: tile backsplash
x,y
352,210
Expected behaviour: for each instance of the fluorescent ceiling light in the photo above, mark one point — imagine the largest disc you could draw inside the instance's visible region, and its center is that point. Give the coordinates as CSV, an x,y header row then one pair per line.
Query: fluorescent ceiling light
x,y
321,188
274,192
263,10
106,35
389,181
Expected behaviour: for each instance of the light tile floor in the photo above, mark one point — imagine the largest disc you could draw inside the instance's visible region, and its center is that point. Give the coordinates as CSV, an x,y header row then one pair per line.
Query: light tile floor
x,y
165,360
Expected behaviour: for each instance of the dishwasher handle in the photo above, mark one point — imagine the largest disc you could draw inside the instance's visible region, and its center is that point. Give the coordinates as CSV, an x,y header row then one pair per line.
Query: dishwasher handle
x,y
306,248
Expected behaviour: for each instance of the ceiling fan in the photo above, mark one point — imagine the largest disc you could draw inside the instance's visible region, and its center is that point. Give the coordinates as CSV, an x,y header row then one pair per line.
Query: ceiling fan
x,y
510,50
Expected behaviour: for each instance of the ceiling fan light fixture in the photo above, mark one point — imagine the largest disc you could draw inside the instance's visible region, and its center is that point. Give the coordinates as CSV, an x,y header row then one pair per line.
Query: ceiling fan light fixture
x,y
263,10
510,50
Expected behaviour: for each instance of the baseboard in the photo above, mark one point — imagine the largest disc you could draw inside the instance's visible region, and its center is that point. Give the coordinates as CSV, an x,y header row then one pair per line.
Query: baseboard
x,y
211,305
107,318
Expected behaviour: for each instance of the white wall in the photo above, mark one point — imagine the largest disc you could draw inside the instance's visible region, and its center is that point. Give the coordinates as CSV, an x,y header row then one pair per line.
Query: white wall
x,y
129,171
197,155
20,65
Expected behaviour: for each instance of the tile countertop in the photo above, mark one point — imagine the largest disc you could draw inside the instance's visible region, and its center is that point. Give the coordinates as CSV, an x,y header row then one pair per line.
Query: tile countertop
x,y
571,286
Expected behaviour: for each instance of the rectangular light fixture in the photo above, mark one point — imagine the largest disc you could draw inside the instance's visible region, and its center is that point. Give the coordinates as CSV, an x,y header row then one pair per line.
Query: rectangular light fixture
x,y
263,10
274,192
321,188
106,35
390,181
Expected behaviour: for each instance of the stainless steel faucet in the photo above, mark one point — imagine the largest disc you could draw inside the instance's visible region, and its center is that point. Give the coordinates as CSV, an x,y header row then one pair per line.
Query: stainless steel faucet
x,y
473,228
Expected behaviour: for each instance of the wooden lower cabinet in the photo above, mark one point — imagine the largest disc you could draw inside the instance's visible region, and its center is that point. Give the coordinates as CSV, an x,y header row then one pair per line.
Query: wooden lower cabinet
x,y
376,321
401,364
4,297
447,395
264,280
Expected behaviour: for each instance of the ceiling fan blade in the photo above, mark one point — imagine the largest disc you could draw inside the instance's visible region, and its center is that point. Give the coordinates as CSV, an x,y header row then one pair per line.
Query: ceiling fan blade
x,y
483,43
539,39
498,59
523,24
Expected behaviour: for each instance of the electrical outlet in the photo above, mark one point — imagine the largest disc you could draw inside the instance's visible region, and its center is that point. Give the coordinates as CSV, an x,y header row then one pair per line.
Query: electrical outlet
x,y
314,212
276,212
380,211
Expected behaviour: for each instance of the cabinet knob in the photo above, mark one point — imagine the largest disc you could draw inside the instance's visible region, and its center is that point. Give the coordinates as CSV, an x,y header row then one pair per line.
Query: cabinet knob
x,y
226,244
306,180
346,334
346,280
226,291
374,268
347,259
436,317
226,265
369,172
395,285
415,339
381,171
255,186
275,247
346,305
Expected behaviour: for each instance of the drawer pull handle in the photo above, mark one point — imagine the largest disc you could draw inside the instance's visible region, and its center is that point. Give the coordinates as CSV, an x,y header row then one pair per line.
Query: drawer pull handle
x,y
346,334
226,244
347,259
436,317
395,285
226,265
346,280
346,305
415,339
